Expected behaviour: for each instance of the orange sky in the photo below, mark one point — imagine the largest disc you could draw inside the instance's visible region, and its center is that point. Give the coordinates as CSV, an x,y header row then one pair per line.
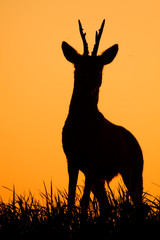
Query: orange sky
x,y
36,83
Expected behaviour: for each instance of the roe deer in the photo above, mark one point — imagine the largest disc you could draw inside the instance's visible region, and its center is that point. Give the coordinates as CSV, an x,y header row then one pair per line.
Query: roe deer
x,y
92,144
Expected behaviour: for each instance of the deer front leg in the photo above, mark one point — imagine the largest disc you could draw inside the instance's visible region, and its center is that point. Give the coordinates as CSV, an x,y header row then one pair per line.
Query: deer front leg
x,y
86,195
99,191
73,176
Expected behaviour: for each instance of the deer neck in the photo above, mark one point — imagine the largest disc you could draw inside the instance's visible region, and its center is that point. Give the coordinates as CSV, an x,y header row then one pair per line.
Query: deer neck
x,y
84,104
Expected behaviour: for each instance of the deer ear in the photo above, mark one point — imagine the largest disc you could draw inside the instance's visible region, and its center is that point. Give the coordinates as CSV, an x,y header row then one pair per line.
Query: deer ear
x,y
108,55
70,53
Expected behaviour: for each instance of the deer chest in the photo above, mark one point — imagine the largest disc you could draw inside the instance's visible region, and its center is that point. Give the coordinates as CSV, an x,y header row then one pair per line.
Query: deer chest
x,y
76,140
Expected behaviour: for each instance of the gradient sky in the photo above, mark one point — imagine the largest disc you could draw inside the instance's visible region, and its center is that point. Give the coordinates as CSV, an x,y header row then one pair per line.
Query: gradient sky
x,y
36,83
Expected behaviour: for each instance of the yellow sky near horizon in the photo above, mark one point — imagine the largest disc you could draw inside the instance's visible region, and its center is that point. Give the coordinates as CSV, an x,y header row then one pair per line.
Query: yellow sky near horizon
x,y
36,83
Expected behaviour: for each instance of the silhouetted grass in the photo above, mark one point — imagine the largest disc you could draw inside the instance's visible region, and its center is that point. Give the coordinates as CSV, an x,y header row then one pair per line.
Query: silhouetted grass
x,y
24,217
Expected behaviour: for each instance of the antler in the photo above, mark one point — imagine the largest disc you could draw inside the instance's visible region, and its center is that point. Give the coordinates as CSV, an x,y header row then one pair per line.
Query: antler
x,y
83,35
97,40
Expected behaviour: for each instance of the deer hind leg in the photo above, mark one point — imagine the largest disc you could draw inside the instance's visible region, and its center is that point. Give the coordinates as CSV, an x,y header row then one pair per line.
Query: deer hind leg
x,y
100,192
134,183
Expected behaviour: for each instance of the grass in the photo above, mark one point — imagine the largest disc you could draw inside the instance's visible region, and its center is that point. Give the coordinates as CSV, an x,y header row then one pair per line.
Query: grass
x,y
24,217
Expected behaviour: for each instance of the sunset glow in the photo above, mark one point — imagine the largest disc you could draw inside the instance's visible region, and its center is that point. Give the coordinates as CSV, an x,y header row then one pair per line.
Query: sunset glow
x,y
36,83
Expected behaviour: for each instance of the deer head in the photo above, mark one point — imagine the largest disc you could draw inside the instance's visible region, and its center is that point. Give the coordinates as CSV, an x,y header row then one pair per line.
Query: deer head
x,y
88,68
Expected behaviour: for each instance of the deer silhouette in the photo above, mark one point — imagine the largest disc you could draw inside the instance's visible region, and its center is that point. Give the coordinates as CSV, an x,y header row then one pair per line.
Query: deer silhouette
x,y
92,144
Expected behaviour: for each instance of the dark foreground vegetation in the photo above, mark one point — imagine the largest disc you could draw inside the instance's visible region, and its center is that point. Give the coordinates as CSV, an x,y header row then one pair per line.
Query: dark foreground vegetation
x,y
24,217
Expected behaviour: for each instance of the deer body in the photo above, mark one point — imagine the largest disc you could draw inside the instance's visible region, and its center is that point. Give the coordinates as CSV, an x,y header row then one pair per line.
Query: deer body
x,y
92,144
